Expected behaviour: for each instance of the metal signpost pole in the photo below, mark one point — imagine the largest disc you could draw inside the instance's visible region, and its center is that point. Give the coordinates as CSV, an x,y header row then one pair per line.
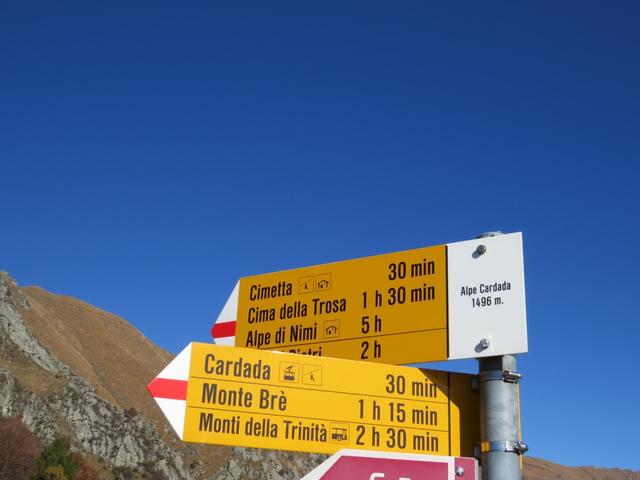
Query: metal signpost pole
x,y
501,446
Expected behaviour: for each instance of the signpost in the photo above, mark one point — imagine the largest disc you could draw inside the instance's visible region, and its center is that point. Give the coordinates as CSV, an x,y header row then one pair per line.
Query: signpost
x,y
459,300
393,466
253,398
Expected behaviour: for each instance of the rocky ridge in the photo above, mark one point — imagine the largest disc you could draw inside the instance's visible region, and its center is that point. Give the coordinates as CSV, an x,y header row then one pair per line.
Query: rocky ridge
x,y
52,400
94,425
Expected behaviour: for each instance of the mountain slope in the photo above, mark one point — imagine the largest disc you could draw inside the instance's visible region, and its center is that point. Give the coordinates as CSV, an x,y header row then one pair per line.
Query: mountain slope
x,y
536,469
68,368
117,359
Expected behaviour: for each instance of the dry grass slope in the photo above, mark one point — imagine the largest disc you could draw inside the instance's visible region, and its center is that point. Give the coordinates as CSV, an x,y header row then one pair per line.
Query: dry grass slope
x,y
116,358
103,348
536,469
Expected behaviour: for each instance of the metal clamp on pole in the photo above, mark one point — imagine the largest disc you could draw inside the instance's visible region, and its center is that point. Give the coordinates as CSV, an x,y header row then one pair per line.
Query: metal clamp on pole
x,y
519,448
509,376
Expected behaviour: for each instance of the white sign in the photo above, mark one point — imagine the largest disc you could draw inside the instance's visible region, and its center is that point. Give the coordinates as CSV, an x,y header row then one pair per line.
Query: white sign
x,y
487,315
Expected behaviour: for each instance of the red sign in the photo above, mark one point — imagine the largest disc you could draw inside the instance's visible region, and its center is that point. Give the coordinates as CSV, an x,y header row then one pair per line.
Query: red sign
x,y
378,468
362,465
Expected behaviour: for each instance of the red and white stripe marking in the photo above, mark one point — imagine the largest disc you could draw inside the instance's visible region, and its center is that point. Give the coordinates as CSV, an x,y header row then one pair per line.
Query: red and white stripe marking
x,y
169,390
224,329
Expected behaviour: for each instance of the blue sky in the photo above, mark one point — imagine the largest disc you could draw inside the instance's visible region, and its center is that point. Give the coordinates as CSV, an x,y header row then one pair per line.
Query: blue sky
x,y
152,153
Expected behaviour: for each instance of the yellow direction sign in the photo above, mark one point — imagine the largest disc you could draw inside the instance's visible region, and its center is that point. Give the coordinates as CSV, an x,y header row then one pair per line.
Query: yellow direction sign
x,y
459,300
244,397
346,309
